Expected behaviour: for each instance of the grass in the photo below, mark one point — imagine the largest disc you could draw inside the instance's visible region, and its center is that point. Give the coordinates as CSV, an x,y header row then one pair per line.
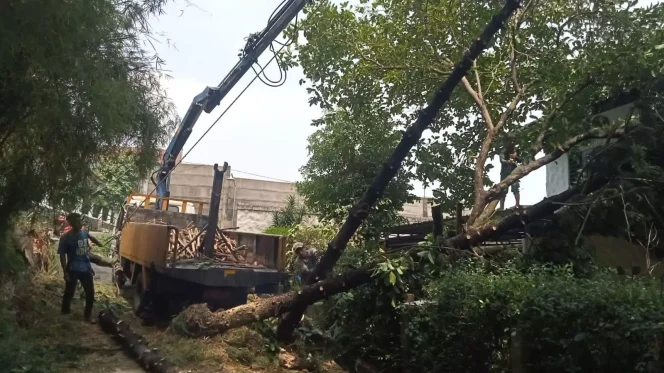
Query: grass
x,y
36,338
104,251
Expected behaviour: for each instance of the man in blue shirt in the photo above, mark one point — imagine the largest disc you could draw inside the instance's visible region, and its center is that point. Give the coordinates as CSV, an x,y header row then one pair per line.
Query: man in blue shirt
x,y
74,251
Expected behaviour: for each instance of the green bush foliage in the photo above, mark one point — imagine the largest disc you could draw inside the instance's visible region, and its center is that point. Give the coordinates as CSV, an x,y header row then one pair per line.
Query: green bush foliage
x,y
473,314
596,324
280,231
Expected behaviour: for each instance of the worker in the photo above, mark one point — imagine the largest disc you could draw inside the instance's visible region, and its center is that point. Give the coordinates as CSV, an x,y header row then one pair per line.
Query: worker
x,y
508,162
305,261
64,226
94,258
74,251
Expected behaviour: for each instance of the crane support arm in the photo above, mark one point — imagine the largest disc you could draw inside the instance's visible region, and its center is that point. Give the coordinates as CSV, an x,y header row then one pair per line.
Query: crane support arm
x,y
211,97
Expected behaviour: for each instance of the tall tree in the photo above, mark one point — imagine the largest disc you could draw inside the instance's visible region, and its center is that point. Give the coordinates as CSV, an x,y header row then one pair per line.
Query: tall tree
x,y
290,215
554,61
346,152
76,83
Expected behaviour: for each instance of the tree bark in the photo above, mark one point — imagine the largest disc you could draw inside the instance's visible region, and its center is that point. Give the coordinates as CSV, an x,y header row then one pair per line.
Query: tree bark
x,y
135,344
198,320
358,213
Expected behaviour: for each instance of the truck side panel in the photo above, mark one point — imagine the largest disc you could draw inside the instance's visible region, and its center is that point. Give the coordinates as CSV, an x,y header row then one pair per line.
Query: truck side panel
x,y
266,249
145,244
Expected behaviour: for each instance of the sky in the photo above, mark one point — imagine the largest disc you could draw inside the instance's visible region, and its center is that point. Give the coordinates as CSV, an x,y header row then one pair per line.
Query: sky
x,y
264,134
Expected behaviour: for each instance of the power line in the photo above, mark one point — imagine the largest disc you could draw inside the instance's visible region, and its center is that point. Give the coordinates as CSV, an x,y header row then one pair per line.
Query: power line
x,y
194,165
263,176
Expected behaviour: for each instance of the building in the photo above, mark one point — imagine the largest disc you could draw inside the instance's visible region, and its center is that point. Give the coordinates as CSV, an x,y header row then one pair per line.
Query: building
x,y
564,172
248,203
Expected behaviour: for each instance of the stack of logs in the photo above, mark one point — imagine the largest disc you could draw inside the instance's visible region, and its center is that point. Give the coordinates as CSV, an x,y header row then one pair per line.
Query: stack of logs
x,y
188,243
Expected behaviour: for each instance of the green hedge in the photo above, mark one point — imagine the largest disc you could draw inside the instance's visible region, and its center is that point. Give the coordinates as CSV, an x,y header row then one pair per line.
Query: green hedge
x,y
596,324
280,231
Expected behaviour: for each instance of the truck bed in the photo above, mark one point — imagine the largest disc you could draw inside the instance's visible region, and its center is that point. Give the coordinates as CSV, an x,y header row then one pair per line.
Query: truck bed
x,y
212,273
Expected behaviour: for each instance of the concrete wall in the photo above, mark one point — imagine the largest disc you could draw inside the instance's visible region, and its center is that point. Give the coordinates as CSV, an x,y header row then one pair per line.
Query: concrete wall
x,y
249,203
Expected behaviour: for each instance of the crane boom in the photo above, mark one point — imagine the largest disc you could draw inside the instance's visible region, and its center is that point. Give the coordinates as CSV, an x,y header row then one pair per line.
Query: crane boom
x,y
212,96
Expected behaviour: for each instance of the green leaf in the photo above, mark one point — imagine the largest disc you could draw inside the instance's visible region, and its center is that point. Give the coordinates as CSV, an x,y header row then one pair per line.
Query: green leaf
x,y
393,278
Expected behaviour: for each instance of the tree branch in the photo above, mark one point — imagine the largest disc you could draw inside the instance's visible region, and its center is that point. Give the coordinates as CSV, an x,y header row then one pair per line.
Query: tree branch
x,y
477,81
548,119
524,169
512,106
358,213
481,104
515,79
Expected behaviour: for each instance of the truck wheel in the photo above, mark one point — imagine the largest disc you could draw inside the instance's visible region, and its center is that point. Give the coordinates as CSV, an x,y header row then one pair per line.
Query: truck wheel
x,y
138,301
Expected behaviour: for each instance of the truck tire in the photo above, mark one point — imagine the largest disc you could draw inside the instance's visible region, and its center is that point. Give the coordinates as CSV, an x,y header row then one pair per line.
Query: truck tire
x,y
138,300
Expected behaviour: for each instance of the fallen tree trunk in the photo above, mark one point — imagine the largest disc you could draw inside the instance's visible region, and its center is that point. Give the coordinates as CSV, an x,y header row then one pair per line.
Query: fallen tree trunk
x,y
198,320
358,213
134,343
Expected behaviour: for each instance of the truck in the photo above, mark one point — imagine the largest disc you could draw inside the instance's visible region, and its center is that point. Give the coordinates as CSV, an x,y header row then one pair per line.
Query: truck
x,y
164,283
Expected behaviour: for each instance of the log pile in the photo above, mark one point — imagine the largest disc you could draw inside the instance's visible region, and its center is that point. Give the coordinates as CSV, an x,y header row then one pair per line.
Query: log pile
x,y
188,243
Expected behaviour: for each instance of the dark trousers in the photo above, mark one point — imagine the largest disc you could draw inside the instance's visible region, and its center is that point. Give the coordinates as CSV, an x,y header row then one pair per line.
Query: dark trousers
x,y
87,282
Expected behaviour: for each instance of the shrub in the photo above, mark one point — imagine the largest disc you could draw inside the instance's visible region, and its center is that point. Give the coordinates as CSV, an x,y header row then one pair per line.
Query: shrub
x,y
472,315
569,324
279,231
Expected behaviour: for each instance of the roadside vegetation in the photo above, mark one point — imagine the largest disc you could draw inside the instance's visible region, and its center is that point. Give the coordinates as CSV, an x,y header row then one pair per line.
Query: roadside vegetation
x,y
84,114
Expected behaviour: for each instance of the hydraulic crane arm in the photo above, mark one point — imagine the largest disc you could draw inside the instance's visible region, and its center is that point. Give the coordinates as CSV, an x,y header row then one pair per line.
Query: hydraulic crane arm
x,y
212,96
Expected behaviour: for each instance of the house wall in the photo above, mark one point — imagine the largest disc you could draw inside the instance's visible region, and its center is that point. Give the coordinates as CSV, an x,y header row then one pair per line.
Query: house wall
x,y
557,176
614,252
558,171
249,203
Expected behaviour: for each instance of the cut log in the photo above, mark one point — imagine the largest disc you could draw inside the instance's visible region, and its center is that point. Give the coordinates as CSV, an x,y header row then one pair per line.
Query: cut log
x,y
149,359
198,320
358,213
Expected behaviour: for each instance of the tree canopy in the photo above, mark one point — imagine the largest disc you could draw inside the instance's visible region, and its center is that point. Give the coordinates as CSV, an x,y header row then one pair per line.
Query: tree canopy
x,y
346,153
553,61
76,83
